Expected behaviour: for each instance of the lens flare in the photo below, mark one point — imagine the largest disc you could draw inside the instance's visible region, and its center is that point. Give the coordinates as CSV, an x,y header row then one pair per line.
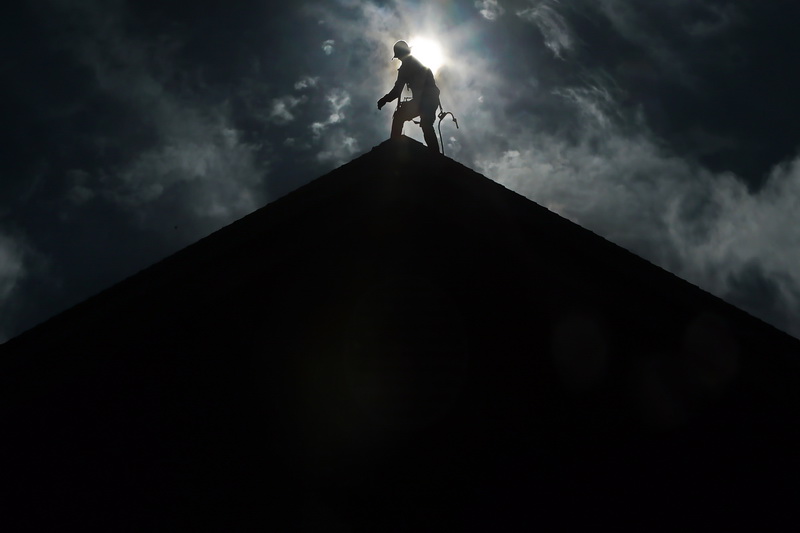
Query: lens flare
x,y
428,52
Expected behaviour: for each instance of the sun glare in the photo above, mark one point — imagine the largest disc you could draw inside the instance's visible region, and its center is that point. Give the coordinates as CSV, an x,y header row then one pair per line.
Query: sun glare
x,y
428,52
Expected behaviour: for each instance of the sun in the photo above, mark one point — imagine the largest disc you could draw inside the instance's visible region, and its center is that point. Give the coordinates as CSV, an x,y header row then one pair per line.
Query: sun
x,y
428,52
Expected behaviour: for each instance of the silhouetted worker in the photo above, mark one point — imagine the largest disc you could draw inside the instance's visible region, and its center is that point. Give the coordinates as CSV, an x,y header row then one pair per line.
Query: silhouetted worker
x,y
425,94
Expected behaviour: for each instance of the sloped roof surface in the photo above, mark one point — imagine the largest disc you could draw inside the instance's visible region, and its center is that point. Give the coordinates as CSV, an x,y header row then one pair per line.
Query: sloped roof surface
x,y
402,342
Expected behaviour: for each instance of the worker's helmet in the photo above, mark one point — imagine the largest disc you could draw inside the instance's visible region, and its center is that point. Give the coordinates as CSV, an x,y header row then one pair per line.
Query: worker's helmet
x,y
401,49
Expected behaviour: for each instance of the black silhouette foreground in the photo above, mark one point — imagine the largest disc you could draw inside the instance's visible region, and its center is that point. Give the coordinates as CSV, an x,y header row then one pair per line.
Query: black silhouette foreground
x,y
425,95
400,345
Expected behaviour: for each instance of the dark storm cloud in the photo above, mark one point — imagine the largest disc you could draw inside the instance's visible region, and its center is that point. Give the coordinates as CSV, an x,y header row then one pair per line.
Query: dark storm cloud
x,y
660,163
194,146
129,142
138,127
711,77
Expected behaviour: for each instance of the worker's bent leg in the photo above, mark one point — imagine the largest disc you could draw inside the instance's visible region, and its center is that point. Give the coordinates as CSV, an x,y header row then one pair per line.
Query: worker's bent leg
x,y
426,122
397,125
403,113
407,111
430,137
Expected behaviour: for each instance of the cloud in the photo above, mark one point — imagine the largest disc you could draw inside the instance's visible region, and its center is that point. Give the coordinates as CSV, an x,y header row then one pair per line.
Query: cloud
x,y
593,101
337,100
707,228
281,108
489,9
194,167
554,27
740,245
212,175
327,46
306,82
338,148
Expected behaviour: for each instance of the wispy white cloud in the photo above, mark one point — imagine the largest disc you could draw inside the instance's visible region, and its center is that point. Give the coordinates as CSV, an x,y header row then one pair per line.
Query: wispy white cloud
x,y
281,109
305,82
328,46
337,148
555,30
338,100
489,9
725,234
594,100
214,173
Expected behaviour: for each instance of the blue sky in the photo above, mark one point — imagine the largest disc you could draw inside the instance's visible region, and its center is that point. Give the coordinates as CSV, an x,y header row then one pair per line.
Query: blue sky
x,y
135,128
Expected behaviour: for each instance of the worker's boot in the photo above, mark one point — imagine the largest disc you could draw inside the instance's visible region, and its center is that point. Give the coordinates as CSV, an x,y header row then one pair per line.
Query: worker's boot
x,y
430,138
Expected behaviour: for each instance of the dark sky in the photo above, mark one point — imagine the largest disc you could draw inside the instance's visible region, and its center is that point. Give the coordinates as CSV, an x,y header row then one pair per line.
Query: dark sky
x,y
132,129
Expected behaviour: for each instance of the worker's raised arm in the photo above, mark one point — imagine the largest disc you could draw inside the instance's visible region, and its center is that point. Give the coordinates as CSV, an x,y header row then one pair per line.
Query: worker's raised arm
x,y
395,93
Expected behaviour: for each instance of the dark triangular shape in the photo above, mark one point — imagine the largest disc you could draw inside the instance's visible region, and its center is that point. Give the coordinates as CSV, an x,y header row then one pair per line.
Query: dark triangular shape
x,y
401,344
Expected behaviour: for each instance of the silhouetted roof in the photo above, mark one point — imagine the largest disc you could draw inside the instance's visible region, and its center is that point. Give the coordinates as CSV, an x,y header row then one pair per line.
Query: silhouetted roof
x,y
400,340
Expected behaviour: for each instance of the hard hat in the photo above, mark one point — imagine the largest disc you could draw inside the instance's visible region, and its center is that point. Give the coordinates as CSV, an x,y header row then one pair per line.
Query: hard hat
x,y
401,49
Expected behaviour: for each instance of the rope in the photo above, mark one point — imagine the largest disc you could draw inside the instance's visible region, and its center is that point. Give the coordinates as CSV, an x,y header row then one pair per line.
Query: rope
x,y
443,114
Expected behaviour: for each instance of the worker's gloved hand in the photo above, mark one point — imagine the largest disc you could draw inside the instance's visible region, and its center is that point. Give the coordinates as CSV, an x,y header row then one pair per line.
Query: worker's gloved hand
x,y
381,103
